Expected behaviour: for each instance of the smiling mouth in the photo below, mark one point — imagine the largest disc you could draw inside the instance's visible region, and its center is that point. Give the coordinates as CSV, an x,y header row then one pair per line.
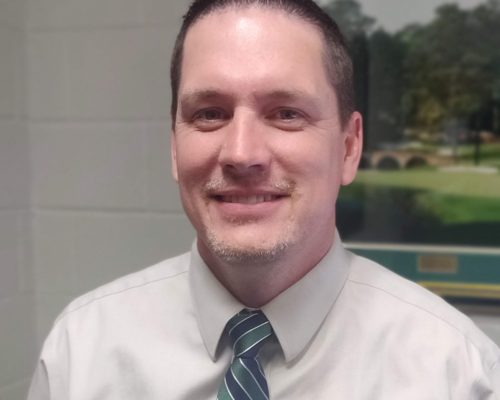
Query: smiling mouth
x,y
253,199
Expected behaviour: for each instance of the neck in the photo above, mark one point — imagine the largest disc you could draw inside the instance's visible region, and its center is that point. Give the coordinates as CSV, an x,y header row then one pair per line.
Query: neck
x,y
256,285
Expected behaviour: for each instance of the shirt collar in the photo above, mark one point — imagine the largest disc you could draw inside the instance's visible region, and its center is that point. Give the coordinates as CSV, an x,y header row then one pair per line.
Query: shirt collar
x,y
295,314
214,305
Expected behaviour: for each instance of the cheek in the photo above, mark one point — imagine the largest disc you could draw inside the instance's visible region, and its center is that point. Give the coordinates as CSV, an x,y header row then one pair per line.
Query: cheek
x,y
321,181
317,161
194,158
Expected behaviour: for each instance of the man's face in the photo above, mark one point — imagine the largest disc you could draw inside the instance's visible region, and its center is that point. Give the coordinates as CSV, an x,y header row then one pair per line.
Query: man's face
x,y
258,150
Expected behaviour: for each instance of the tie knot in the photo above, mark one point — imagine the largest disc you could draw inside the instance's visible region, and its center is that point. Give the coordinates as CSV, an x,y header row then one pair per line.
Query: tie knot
x,y
248,331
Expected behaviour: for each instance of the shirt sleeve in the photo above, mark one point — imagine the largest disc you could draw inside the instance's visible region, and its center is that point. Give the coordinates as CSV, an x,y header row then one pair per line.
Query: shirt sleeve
x,y
39,389
49,380
495,379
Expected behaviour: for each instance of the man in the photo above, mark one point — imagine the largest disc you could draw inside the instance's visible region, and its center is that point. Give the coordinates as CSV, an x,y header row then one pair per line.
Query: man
x,y
264,134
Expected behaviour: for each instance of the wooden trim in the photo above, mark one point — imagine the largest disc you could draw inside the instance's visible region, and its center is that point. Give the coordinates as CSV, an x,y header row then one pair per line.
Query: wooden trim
x,y
460,289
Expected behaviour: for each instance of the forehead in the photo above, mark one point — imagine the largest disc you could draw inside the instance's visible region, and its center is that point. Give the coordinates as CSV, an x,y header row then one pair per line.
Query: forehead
x,y
253,44
245,13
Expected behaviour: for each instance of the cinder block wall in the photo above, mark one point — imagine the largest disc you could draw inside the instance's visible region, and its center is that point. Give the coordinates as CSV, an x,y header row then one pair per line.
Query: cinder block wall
x,y
85,187
104,202
17,315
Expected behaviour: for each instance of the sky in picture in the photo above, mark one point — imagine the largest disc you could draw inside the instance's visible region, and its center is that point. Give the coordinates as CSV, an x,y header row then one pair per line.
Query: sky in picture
x,y
394,14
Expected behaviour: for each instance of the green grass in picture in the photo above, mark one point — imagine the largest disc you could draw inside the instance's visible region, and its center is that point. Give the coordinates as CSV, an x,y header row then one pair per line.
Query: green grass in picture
x,y
487,151
453,209
484,185
422,206
489,154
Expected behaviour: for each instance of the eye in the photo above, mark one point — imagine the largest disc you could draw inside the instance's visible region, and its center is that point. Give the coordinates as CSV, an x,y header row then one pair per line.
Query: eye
x,y
210,114
287,114
209,118
288,119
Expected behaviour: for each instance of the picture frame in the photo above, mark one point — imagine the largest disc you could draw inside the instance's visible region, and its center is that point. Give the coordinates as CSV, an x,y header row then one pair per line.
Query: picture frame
x,y
426,201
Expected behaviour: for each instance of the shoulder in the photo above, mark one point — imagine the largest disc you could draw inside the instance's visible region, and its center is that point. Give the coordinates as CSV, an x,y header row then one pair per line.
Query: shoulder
x,y
135,314
382,283
400,301
172,271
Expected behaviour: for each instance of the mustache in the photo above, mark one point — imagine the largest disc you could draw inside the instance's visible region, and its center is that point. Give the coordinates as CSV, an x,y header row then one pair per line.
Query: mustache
x,y
220,184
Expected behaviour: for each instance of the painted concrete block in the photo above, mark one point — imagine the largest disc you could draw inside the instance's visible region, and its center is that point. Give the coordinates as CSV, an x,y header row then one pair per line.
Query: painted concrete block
x,y
47,75
89,165
163,190
119,74
66,14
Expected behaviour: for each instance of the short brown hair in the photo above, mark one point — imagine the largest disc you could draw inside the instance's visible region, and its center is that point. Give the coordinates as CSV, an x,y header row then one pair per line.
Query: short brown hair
x,y
338,63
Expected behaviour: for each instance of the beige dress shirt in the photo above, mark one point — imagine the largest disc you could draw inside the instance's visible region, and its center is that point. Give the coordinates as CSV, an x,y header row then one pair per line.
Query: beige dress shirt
x,y
350,329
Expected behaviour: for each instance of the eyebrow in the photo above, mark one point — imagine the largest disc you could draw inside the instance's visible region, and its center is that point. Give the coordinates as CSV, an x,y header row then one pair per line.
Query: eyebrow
x,y
285,94
278,94
291,95
200,95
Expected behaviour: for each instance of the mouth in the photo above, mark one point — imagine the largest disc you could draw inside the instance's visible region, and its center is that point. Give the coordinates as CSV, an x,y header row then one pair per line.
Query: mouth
x,y
248,199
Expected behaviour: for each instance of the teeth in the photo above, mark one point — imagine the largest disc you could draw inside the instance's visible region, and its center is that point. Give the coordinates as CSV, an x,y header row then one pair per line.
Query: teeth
x,y
248,199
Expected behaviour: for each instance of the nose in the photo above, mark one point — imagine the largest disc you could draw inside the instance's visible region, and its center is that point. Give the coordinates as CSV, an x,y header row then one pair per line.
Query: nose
x,y
245,151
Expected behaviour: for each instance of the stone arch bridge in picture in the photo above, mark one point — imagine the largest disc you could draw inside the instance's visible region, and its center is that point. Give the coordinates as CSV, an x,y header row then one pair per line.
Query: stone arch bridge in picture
x,y
403,159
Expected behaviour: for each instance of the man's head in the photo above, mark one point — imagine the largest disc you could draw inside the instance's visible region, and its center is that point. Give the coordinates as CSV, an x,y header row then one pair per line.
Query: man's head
x,y
337,61
260,148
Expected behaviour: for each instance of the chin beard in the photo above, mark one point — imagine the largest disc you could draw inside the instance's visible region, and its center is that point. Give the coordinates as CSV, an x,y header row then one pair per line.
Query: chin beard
x,y
250,255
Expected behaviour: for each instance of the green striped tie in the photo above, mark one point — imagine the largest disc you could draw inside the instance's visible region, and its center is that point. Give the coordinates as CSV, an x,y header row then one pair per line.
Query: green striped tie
x,y
245,378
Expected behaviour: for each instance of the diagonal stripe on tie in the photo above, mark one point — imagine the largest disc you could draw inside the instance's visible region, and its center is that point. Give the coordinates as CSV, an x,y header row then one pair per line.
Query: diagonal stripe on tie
x,y
248,340
244,379
237,322
248,368
224,392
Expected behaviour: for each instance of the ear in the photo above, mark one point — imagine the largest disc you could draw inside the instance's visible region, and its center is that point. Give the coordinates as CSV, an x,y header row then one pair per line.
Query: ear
x,y
353,147
173,156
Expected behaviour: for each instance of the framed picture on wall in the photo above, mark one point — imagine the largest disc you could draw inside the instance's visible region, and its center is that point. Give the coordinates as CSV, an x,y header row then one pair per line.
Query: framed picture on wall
x,y
426,201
